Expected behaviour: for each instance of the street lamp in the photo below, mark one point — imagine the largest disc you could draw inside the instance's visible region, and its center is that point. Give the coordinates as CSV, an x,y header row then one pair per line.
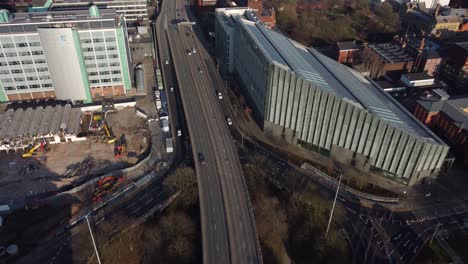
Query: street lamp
x,y
334,203
92,238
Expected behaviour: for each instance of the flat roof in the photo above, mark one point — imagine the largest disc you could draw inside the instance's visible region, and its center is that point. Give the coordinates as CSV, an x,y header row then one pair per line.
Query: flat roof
x,y
391,53
38,121
51,17
418,76
334,77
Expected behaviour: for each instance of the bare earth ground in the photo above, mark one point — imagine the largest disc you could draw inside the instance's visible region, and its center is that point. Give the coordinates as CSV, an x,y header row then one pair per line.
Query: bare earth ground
x,y
15,183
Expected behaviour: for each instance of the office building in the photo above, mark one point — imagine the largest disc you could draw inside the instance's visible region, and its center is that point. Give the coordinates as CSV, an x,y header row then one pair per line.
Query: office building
x,y
132,10
66,55
454,70
303,97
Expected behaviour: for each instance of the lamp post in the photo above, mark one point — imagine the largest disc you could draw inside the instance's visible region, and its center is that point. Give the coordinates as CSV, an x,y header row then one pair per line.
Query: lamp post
x,y
333,206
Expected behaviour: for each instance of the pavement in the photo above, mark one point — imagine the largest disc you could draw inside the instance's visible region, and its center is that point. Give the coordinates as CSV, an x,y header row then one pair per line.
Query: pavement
x,y
228,226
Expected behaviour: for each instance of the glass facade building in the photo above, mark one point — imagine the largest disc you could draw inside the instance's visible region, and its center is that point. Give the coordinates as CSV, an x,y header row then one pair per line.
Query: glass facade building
x,y
305,98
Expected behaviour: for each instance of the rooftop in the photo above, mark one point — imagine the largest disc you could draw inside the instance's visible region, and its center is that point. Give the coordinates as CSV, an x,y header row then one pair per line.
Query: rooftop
x,y
390,53
31,122
347,45
455,108
51,17
419,76
333,77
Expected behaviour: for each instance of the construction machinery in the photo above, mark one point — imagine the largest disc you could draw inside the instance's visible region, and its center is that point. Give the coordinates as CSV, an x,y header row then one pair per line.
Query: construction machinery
x,y
104,185
109,134
42,143
120,147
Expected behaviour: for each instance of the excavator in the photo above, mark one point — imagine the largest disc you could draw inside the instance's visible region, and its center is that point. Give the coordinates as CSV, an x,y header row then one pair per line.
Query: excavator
x,y
109,134
39,144
104,186
120,146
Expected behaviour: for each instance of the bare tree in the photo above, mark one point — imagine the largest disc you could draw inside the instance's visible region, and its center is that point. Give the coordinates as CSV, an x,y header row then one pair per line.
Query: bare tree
x,y
372,63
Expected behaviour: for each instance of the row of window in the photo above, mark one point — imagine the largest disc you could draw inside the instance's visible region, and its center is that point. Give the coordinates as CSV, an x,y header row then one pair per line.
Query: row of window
x,y
25,62
102,57
104,73
98,40
32,86
24,53
21,45
106,80
99,49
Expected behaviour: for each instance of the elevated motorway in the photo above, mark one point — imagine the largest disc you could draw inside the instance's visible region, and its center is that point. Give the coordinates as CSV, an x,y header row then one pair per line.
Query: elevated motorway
x,y
228,225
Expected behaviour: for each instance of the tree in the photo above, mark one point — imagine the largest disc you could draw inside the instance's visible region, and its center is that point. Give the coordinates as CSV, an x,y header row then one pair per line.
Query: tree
x,y
184,180
389,18
372,63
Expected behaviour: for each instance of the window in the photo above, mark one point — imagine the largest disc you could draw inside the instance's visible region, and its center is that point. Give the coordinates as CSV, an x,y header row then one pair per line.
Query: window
x,y
93,73
114,64
11,54
8,45
44,77
111,48
34,86
21,45
99,49
5,72
31,78
25,53
46,85
89,57
94,81
101,57
40,61
113,56
19,79
14,63
115,72
3,63
37,52
29,70
104,72
26,62
16,71
116,79
22,87
110,39
34,44
9,88
41,69
105,80
7,80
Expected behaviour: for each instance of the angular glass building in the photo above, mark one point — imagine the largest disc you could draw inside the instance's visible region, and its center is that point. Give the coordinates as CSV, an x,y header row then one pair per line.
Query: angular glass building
x,y
308,99
67,55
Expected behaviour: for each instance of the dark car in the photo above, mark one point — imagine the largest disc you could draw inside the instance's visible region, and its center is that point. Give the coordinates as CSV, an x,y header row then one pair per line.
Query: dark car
x,y
201,158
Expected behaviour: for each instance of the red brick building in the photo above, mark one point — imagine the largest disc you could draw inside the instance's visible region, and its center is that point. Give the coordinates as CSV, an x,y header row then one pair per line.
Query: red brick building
x,y
347,52
448,117
266,15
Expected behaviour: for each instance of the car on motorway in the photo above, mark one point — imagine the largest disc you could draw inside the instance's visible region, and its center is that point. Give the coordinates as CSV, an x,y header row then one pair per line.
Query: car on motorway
x,y
179,132
229,121
200,69
166,62
194,50
172,88
189,53
220,96
201,158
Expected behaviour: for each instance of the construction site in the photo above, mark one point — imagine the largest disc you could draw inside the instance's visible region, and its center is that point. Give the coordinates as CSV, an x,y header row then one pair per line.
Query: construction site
x,y
44,148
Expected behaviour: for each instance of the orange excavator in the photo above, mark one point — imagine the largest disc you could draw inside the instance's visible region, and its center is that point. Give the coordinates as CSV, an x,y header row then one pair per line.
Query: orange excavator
x,y
104,185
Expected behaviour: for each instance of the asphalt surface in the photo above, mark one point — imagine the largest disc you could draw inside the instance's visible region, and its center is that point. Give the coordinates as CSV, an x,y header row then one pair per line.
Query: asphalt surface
x,y
228,226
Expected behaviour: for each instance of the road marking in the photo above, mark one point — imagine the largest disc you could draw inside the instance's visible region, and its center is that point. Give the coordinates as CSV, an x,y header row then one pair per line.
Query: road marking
x,y
214,226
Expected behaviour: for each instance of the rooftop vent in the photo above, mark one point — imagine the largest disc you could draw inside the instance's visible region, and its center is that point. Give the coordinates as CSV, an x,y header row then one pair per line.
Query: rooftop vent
x,y
4,16
94,11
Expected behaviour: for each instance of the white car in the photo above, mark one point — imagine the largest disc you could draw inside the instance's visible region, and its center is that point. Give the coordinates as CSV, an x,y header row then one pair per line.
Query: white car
x,y
172,88
179,132
229,121
189,53
166,62
220,96
194,50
